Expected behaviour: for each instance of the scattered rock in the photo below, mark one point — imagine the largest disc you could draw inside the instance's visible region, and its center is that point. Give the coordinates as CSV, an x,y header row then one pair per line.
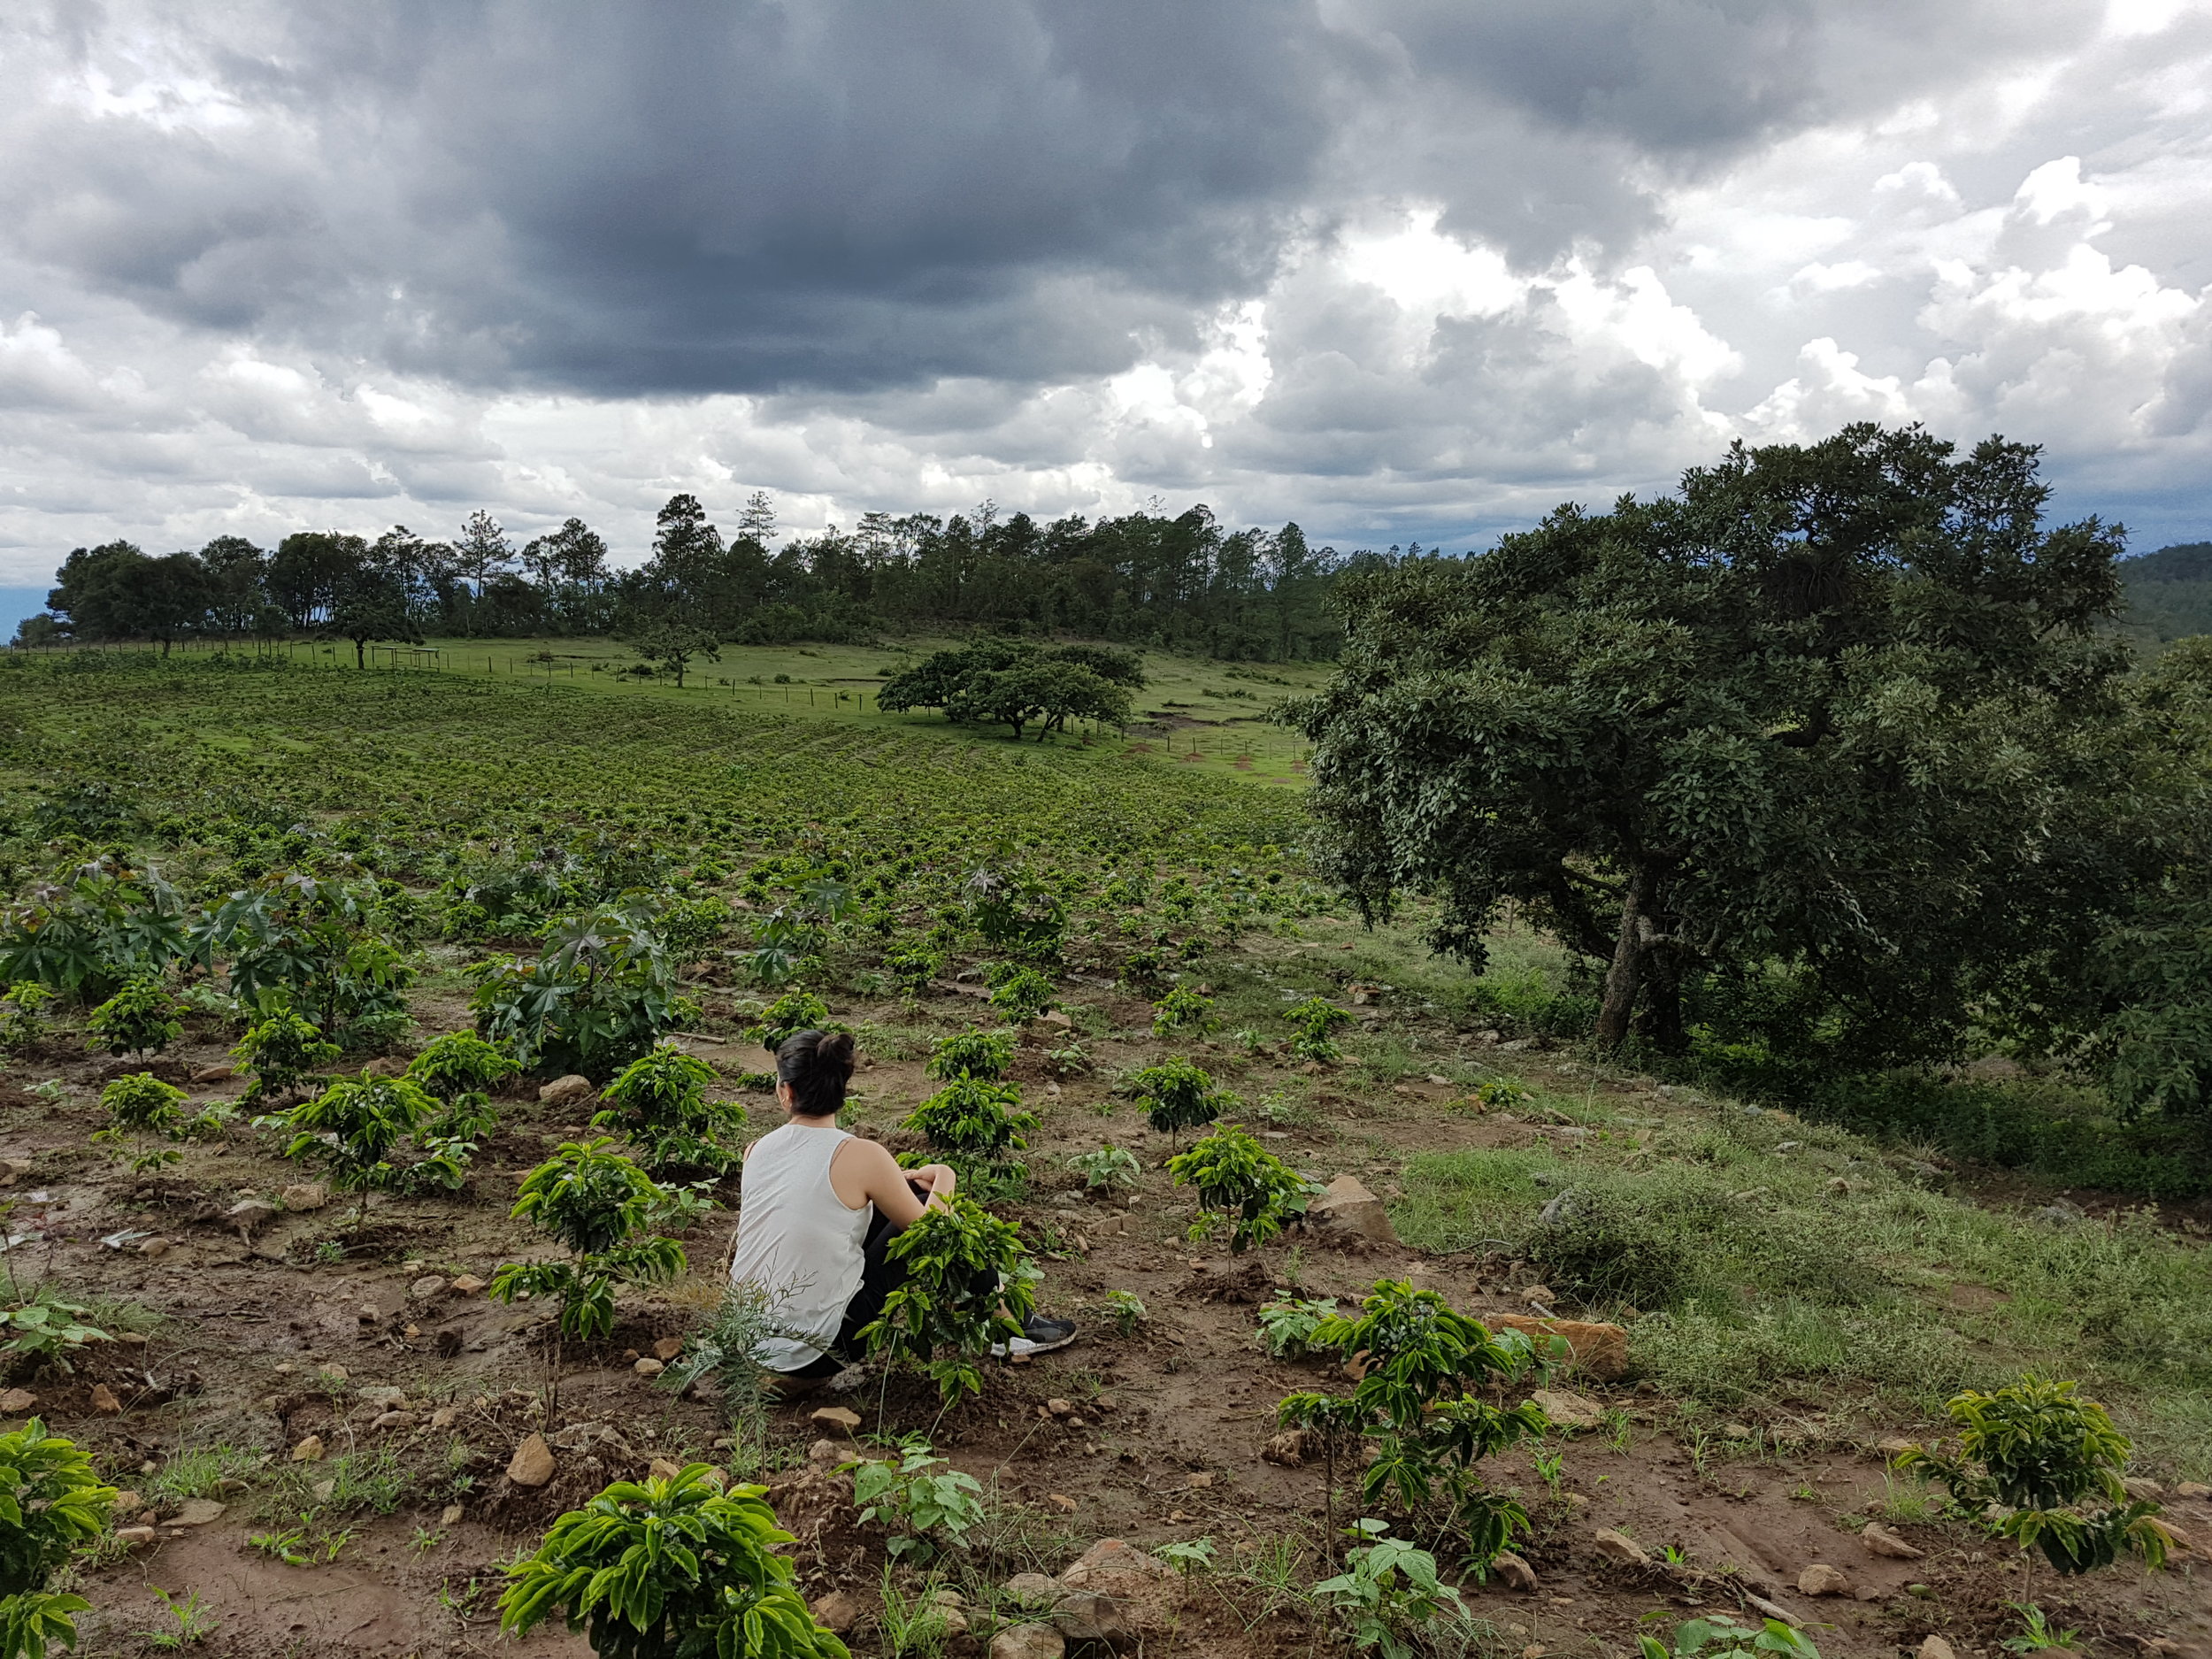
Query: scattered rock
x,y
665,1468
332,1373
823,1454
1822,1580
1033,1586
467,1283
396,1420
215,1074
445,1417
2062,1212
1092,1624
1059,1407
248,1213
2142,1489
1203,1477
135,1536
1600,1350
1061,1501
1619,1547
450,1515
1773,1609
426,1286
2192,1489
838,1611
322,1490
1112,1558
648,1368
305,1196
839,1417
1543,1293
668,1347
1881,1541
1568,1410
383,1397
198,1512
1348,1206
1287,1448
104,1400
154,1249
531,1465
566,1091
1054,1017
1028,1641
309,1450
1513,1572
16,1402
1933,1647
1896,1446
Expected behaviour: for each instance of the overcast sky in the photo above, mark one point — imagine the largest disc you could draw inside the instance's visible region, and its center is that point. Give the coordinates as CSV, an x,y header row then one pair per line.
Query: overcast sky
x,y
1395,269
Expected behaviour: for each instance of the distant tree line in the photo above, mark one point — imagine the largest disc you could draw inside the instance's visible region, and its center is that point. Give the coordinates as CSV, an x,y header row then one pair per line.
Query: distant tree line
x,y
1145,579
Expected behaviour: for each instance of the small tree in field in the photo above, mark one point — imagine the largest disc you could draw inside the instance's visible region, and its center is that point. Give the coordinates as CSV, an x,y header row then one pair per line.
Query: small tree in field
x,y
1020,994
985,1054
140,1019
353,1127
51,1503
1178,1095
598,1205
952,1307
461,1063
282,1052
659,1102
1237,1176
974,1121
1315,1021
1183,1010
671,1565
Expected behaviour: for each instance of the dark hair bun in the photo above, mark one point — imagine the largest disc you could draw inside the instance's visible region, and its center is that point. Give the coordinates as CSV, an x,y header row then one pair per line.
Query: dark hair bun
x,y
817,1064
834,1052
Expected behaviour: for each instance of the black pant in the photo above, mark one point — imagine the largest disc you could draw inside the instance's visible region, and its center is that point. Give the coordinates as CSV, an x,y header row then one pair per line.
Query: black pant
x,y
879,1276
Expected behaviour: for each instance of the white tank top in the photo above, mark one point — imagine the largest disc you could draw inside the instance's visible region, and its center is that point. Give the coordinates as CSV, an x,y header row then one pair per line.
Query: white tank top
x,y
797,1242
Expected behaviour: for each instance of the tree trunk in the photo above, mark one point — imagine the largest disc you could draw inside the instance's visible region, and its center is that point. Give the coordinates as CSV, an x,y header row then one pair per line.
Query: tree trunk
x,y
1661,1020
1624,976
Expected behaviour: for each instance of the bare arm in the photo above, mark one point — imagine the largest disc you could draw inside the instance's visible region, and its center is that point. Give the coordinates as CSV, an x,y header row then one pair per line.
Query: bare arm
x,y
864,1172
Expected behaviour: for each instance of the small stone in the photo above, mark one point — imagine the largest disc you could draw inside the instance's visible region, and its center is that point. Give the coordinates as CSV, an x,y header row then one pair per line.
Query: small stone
x,y
842,1417
946,1596
665,1468
1346,1205
1061,1501
331,1372
467,1283
2142,1489
1028,1641
396,1420
309,1450
1110,1563
104,1400
1933,1647
248,1213
1287,1448
838,1611
1439,1078
1513,1572
2192,1489
322,1490
1090,1623
824,1454
214,1074
648,1368
154,1249
1896,1446
198,1512
1600,1349
135,1536
1880,1540
1033,1586
450,1515
1539,1292
1567,1410
566,1091
1619,1548
531,1465
16,1402
668,1347
129,1503
1820,1578
426,1286
1059,1407
383,1397
1203,1477
305,1196
445,1417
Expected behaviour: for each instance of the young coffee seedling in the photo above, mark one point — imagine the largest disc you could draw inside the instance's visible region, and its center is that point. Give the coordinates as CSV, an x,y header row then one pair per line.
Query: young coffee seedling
x,y
1287,1327
1183,1010
353,1128
460,1063
1020,994
140,1019
969,1285
659,1102
789,1014
1124,1312
986,1055
1314,1021
668,1565
1416,1401
2050,1462
1238,1178
138,1103
1108,1169
601,992
1178,1095
596,1204
1390,1593
51,1503
917,1496
22,1017
1717,1636
282,1053
973,1121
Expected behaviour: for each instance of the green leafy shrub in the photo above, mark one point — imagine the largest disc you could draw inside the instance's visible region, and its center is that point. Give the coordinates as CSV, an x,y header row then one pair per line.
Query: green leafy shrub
x,y
1020,994
789,1014
913,968
51,1503
1238,1178
140,1018
917,1496
281,1052
689,927
976,1121
660,1102
1142,970
1182,1011
1389,1592
1717,1636
602,993
1177,1095
45,1329
669,1566
22,1017
1287,1327
985,1054
460,1063
1314,1023
1417,1402
945,1316
598,1205
2042,1455
92,933
1107,1170
139,1103
355,1126
1607,1246
316,944
1124,1311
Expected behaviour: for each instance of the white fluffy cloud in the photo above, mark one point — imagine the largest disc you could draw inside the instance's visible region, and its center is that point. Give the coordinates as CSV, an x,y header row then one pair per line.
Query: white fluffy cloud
x,y
1394,269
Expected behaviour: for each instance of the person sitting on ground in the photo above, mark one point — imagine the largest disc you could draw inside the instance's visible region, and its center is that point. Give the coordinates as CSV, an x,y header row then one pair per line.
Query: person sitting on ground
x,y
818,1212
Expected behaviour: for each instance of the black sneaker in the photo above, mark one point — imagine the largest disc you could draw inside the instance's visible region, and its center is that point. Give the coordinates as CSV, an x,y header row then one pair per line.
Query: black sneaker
x,y
1040,1335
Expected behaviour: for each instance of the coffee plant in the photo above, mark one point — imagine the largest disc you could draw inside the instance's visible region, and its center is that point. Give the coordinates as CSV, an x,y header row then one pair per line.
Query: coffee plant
x,y
659,1103
789,1015
1314,1022
140,1019
1389,1592
22,1017
602,993
1177,1094
354,1127
667,1568
460,1063
1717,1636
1183,1010
1238,1178
917,1496
974,1121
1108,1169
51,1504
315,942
986,1055
94,930
282,1053
598,1205
138,1103
1020,994
969,1285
